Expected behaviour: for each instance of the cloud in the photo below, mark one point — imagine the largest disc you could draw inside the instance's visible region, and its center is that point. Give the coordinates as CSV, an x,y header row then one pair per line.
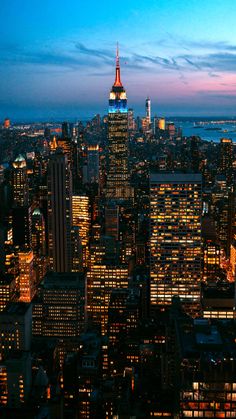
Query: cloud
x,y
216,94
99,61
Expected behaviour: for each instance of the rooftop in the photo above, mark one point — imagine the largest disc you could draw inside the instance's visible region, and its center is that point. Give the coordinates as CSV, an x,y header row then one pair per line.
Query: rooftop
x,y
175,178
57,280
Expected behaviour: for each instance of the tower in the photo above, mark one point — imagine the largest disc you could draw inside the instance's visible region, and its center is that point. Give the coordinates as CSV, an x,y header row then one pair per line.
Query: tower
x,y
148,110
175,238
118,176
59,212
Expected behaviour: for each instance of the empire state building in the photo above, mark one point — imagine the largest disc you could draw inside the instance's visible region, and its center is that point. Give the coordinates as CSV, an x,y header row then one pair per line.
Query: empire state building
x,y
118,177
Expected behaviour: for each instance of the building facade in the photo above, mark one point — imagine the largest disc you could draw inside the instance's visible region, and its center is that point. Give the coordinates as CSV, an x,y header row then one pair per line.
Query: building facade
x,y
175,237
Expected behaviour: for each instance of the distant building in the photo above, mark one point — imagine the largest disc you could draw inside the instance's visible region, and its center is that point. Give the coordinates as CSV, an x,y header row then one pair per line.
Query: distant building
x,y
148,110
131,120
162,124
7,123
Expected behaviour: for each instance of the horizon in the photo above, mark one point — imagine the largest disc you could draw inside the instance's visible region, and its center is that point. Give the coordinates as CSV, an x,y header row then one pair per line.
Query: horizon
x,y
168,118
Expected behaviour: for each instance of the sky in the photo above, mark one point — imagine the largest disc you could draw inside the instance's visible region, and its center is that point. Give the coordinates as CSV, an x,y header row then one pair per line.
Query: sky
x,y
57,58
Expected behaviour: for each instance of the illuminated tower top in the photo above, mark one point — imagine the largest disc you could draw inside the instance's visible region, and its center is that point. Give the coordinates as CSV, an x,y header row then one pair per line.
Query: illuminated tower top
x,y
118,98
117,80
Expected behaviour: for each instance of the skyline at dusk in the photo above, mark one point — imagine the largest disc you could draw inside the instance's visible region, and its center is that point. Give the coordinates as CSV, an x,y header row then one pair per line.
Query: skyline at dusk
x,y
117,209
57,59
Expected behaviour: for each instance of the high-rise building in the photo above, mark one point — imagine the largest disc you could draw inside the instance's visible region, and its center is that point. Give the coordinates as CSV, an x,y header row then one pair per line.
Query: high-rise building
x,y
102,279
7,289
59,310
20,182
148,110
27,280
204,375
162,124
112,219
118,173
16,327
7,123
171,129
38,232
22,226
226,158
218,300
67,130
59,212
131,120
175,238
93,164
81,219
15,379
39,244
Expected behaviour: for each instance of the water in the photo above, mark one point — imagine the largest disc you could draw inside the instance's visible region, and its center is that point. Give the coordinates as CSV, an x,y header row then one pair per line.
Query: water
x,y
227,130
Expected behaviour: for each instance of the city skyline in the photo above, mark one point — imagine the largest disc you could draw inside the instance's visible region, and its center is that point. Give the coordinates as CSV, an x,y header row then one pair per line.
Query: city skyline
x,y
57,61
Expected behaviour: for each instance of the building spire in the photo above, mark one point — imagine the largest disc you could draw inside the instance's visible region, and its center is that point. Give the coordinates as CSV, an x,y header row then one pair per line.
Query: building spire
x,y
117,80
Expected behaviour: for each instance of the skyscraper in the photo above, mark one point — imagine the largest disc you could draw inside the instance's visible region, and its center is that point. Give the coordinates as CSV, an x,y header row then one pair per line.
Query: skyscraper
x,y
226,158
118,175
93,164
20,182
59,212
148,110
175,237
27,283
81,218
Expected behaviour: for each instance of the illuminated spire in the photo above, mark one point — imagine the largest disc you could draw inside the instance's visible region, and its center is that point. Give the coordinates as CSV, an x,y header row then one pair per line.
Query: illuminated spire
x,y
117,80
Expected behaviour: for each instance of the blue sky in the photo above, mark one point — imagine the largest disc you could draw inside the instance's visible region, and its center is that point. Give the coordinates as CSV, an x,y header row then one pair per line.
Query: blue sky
x,y
57,57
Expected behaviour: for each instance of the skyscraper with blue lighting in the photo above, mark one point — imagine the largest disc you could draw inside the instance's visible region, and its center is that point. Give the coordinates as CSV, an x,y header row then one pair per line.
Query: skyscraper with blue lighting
x,y
118,176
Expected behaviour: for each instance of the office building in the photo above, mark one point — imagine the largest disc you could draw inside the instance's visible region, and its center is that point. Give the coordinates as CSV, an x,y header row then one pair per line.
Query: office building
x,y
16,327
204,377
7,289
93,163
175,238
59,309
101,280
82,219
59,212
22,226
218,300
20,182
15,380
27,278
226,158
